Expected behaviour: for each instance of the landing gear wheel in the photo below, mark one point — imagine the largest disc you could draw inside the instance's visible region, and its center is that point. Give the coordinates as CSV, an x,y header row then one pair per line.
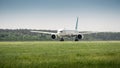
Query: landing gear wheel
x,y
76,39
61,39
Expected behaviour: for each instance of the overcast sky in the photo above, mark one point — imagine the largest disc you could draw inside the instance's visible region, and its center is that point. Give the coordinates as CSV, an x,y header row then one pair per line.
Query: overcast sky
x,y
94,15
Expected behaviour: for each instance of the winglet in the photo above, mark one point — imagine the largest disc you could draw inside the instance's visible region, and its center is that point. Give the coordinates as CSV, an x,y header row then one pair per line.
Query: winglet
x,y
76,27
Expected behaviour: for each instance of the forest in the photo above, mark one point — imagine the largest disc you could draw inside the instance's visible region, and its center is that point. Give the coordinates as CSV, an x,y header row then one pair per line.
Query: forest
x,y
26,35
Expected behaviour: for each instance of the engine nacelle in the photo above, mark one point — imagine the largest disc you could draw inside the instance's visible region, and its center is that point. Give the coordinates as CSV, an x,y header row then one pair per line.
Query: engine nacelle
x,y
80,36
53,36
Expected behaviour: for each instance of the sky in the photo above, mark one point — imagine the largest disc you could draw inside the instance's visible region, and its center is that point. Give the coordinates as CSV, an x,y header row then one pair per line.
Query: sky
x,y
94,15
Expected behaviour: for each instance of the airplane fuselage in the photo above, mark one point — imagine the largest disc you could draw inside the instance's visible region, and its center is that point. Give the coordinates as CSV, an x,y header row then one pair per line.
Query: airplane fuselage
x,y
62,33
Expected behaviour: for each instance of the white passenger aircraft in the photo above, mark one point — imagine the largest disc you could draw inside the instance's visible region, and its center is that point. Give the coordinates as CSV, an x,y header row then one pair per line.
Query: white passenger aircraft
x,y
61,33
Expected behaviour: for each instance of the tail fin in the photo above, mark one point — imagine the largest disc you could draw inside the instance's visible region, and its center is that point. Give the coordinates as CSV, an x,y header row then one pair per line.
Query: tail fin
x,y
76,27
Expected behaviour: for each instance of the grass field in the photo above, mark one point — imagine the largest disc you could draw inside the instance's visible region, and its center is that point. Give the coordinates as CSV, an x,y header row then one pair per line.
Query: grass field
x,y
83,54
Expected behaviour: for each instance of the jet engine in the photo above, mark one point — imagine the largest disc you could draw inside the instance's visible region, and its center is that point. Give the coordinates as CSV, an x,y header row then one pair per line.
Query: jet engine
x,y
80,36
53,36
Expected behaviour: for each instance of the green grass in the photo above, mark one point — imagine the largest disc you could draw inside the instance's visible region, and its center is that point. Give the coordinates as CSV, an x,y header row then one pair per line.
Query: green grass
x,y
95,54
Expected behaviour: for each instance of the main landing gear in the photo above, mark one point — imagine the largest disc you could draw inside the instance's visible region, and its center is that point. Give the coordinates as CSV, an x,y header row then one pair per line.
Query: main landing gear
x,y
61,39
76,39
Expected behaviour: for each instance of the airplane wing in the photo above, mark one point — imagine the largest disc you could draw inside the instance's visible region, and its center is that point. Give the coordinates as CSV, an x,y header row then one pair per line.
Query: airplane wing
x,y
42,32
87,32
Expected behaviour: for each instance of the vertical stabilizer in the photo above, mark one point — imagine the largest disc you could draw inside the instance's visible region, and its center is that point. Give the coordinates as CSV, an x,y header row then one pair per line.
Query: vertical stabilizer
x,y
76,27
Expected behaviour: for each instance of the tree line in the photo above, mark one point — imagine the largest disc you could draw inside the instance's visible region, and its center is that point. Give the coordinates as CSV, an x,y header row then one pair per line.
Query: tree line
x,y
26,35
